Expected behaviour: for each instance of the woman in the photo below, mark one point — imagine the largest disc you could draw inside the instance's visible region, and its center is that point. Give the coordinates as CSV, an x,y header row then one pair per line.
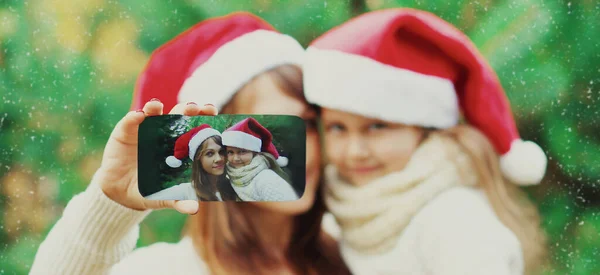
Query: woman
x,y
414,191
99,228
203,146
254,165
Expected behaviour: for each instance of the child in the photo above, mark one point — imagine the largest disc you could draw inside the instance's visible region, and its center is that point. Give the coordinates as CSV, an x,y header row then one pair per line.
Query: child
x,y
254,165
414,191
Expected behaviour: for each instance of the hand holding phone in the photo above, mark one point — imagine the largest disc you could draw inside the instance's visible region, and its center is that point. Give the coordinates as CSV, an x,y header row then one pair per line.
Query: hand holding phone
x,y
118,172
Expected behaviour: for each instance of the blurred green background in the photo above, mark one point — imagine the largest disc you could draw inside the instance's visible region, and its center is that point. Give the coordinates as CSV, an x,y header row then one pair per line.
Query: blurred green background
x,y
67,70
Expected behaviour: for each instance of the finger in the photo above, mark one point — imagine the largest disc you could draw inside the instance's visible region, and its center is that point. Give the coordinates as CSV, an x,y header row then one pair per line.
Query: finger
x,y
159,204
126,130
191,109
153,107
189,207
208,110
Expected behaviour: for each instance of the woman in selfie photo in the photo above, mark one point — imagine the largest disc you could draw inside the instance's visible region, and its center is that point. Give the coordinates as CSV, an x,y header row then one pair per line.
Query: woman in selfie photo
x,y
414,190
240,64
203,146
254,165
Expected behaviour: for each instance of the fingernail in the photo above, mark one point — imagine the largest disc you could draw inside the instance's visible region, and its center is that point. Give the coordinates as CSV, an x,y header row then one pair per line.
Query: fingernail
x,y
139,110
191,103
188,206
155,99
208,104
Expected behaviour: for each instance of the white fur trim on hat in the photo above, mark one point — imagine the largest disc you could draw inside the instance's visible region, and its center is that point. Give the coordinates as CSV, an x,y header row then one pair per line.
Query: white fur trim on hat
x,y
236,63
360,85
172,161
282,161
241,140
200,137
525,163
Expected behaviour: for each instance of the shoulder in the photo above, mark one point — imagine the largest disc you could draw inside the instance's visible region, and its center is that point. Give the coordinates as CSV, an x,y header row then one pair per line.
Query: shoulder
x,y
272,187
463,208
163,258
460,226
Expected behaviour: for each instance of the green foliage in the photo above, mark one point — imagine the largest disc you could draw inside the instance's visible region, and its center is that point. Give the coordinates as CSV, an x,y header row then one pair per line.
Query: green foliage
x,y
67,72
587,243
302,19
161,226
18,258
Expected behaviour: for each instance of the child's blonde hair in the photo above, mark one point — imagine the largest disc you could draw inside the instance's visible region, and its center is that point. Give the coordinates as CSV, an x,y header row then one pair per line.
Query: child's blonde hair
x,y
508,201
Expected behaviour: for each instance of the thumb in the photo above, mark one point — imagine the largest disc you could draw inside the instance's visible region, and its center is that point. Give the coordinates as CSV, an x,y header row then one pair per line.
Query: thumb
x,y
187,207
159,204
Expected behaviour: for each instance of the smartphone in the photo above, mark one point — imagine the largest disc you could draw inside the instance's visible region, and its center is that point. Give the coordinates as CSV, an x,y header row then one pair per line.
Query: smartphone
x,y
222,158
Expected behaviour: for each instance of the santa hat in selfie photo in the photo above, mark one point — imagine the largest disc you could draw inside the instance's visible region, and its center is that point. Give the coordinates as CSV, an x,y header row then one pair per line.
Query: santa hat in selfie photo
x,y
249,134
412,67
212,60
187,144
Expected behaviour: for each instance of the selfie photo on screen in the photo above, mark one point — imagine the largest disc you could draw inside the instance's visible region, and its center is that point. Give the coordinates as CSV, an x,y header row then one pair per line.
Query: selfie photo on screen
x,y
222,158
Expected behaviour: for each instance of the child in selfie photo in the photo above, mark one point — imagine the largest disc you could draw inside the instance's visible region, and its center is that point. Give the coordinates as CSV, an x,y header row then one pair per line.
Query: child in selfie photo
x,y
254,165
203,146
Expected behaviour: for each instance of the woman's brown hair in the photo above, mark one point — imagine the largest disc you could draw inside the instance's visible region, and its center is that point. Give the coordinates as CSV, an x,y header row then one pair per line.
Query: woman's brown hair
x,y
205,191
226,239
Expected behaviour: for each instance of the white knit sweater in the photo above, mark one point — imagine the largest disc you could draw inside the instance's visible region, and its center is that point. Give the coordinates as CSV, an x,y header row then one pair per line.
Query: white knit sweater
x,y
96,235
266,186
455,233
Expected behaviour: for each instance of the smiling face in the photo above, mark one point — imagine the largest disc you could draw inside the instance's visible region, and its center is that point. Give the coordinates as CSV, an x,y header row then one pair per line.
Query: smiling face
x,y
212,157
238,157
364,149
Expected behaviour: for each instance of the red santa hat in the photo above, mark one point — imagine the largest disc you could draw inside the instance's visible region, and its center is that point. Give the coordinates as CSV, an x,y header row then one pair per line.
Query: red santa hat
x,y
212,60
187,144
249,134
409,66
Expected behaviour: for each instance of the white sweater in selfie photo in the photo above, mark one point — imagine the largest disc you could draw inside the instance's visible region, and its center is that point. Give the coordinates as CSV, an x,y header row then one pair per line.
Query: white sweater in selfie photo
x,y
266,186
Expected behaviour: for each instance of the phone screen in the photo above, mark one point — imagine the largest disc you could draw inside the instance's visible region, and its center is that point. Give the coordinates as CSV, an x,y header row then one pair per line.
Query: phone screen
x,y
222,158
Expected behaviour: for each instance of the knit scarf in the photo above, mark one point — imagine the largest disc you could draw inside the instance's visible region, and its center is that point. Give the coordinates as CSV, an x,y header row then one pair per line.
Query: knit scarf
x,y
373,216
242,176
